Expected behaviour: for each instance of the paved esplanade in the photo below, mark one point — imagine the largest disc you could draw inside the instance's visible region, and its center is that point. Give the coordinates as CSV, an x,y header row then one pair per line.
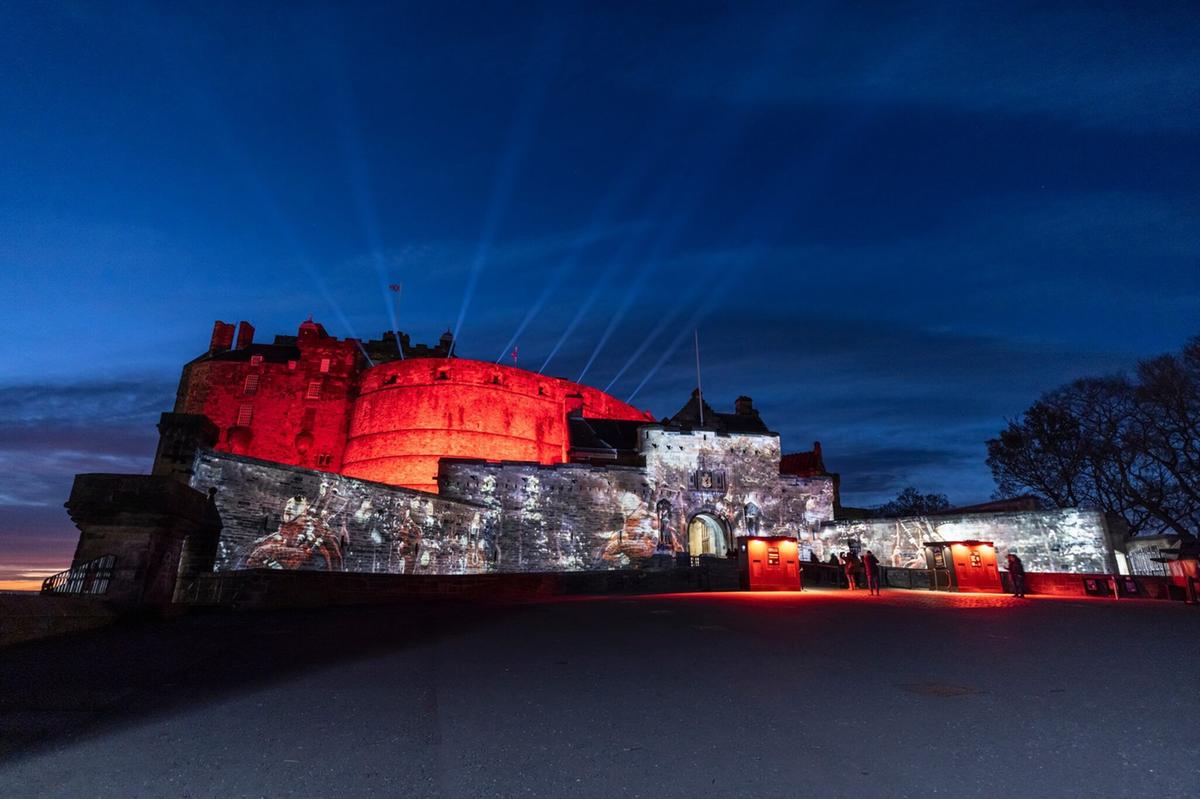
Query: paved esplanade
x,y
819,694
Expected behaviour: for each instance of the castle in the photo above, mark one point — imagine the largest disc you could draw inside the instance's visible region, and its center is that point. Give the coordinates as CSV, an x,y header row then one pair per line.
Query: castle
x,y
319,454
333,454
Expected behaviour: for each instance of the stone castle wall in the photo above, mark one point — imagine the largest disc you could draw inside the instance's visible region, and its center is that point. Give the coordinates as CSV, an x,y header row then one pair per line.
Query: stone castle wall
x,y
578,516
1067,540
285,517
560,518
508,517
734,477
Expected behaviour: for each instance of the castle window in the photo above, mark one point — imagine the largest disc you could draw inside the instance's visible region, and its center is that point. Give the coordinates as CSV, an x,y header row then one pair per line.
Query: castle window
x,y
324,365
324,460
291,366
443,374
255,360
245,413
314,390
495,380
251,384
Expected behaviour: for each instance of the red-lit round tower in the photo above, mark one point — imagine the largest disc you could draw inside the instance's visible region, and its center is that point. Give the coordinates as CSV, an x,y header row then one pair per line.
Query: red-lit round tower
x,y
315,401
410,414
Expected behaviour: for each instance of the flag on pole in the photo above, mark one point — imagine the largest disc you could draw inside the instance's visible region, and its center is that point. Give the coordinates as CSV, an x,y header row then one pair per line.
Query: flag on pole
x,y
395,287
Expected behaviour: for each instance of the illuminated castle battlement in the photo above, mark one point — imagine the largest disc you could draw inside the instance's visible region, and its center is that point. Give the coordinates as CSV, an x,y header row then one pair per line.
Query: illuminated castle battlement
x,y
363,410
324,454
327,454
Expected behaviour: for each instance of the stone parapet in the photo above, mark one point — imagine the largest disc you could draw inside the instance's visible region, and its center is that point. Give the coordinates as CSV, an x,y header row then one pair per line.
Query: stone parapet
x,y
271,588
146,522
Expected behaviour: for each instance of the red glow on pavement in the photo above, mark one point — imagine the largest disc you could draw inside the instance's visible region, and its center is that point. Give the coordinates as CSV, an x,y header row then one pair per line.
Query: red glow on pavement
x,y
928,599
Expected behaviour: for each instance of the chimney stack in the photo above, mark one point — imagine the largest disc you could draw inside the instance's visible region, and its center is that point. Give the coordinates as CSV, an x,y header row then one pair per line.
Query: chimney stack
x,y
222,337
743,406
245,335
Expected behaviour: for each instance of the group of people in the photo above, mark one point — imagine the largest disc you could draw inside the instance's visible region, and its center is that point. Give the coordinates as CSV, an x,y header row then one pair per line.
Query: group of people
x,y
851,563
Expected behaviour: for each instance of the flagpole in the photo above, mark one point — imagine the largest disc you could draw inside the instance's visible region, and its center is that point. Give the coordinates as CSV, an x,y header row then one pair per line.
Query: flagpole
x,y
699,388
396,289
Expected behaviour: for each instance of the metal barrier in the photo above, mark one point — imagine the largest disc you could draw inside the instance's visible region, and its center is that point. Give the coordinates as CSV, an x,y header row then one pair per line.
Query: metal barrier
x,y
92,577
822,574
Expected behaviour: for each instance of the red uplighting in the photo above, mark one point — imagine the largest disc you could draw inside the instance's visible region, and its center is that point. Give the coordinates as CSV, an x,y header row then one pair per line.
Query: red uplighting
x,y
315,405
411,414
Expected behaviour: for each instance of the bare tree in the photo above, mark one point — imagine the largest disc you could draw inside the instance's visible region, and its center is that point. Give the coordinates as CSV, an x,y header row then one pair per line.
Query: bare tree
x,y
1128,445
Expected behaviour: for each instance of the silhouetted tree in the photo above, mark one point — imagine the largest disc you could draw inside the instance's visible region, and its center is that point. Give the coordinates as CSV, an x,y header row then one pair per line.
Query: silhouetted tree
x,y
911,502
1128,445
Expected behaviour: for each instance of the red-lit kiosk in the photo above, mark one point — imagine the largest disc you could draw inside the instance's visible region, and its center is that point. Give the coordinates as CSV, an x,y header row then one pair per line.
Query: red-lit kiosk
x,y
966,566
769,563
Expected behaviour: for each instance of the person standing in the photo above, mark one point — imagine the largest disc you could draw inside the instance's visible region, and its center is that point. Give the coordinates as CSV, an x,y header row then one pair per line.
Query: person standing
x,y
1016,573
851,564
871,567
835,569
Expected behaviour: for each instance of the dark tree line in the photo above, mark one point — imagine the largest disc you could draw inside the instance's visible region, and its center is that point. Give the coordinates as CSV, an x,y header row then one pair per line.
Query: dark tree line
x,y
1127,444
911,502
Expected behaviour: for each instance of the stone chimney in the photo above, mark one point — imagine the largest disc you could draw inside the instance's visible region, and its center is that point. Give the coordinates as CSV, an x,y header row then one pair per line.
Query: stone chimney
x,y
743,406
245,335
222,337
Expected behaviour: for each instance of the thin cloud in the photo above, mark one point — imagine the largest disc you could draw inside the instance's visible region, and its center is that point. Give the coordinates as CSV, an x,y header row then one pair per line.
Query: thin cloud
x,y
1125,68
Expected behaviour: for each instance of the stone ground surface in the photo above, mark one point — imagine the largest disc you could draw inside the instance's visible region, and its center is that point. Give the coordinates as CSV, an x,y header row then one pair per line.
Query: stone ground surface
x,y
821,694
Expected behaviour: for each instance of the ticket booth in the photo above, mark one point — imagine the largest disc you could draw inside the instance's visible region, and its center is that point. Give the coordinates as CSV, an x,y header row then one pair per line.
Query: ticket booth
x,y
769,563
966,566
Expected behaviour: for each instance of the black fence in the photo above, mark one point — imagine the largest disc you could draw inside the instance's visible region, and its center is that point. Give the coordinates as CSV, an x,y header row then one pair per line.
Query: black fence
x,y
92,577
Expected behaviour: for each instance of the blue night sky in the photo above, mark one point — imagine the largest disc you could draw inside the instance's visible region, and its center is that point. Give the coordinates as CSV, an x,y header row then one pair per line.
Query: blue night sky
x,y
894,225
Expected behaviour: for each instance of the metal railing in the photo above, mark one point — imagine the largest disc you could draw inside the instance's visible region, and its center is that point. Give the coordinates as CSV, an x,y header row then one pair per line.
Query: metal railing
x,y
92,577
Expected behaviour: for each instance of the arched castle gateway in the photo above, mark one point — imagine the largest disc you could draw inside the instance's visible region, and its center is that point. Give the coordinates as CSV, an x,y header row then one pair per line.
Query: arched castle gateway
x,y
384,456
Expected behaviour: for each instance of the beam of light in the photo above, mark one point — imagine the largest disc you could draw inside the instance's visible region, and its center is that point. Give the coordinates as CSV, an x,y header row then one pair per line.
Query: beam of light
x,y
520,136
606,274
664,321
718,138
601,218
701,287
581,312
332,75
816,160
714,295
206,108
548,288
661,202
632,292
